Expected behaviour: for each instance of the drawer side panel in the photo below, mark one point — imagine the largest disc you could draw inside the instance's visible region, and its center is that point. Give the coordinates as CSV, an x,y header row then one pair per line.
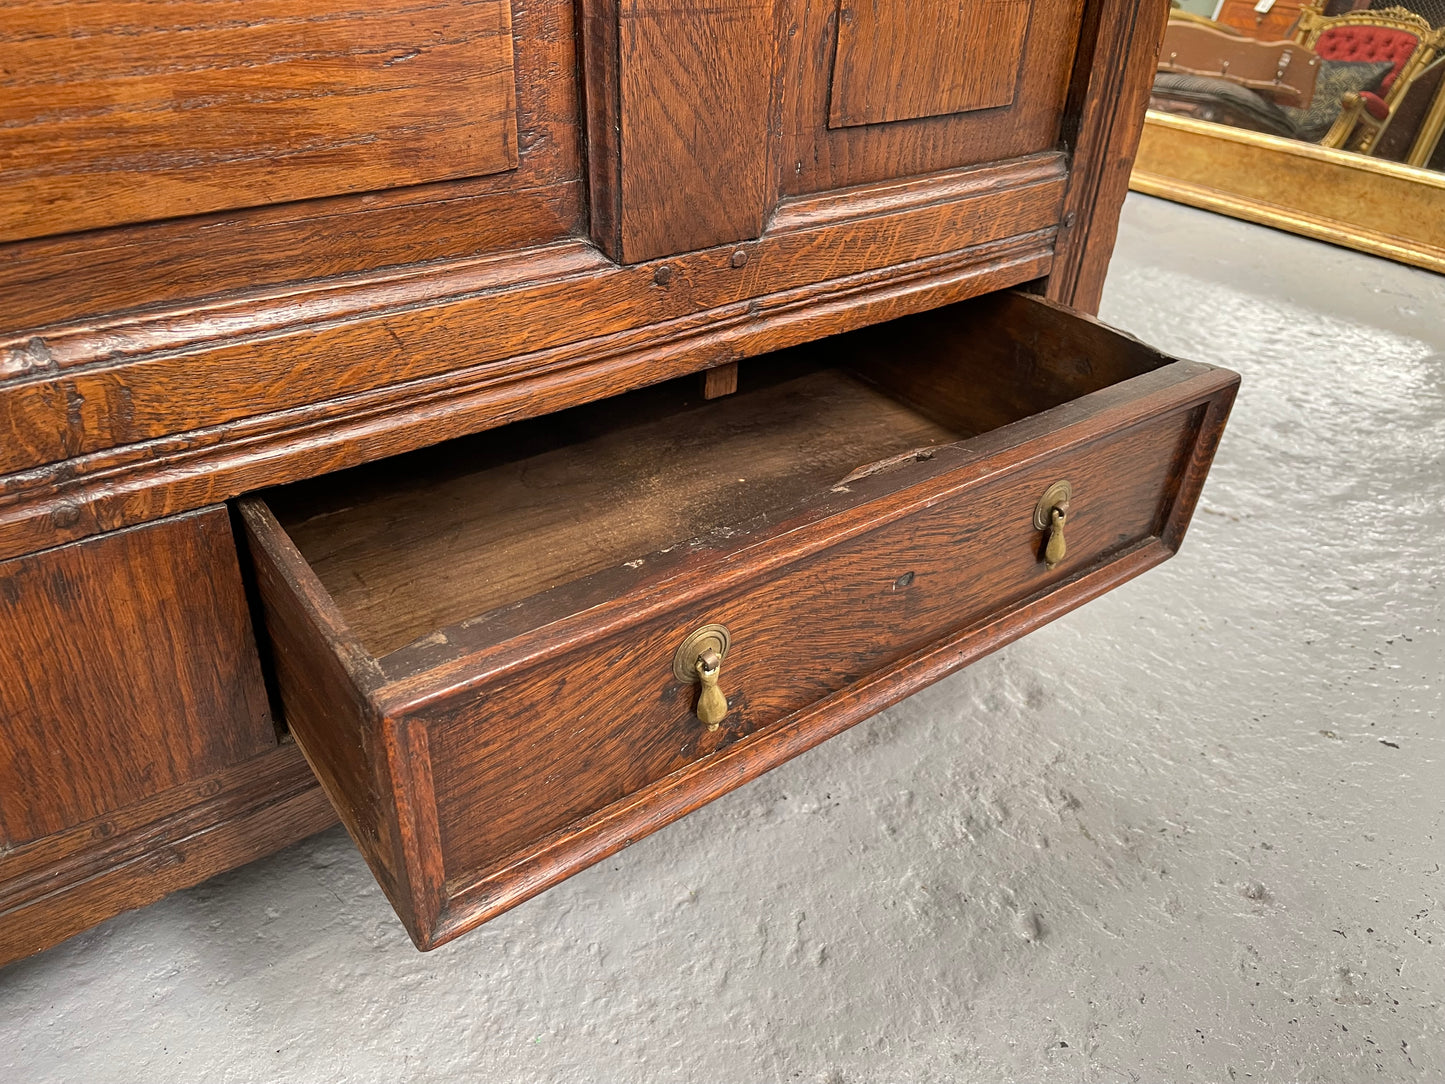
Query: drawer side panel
x,y
325,682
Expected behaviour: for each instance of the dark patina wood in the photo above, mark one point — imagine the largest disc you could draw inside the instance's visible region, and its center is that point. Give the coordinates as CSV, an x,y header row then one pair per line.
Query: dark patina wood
x,y
430,539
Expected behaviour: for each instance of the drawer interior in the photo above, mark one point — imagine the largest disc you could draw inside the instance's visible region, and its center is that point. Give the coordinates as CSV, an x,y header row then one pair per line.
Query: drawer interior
x,y
447,535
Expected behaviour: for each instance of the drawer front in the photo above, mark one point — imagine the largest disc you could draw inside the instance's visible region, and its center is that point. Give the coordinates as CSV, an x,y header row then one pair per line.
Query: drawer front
x,y
607,718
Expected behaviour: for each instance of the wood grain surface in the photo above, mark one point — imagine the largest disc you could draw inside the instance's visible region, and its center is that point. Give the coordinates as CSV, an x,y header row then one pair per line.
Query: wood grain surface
x,y
679,107
814,156
129,668
75,279
901,59
144,416
330,681
127,111
720,380
556,857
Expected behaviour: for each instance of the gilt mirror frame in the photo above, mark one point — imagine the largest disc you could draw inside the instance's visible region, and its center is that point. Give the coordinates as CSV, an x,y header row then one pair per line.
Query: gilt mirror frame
x,y
1350,199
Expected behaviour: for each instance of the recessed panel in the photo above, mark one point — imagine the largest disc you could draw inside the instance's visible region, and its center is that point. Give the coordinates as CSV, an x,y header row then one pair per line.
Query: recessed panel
x,y
129,667
883,89
901,59
126,112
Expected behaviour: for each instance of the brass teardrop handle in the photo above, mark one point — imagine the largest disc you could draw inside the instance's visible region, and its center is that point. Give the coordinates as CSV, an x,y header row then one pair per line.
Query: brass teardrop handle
x,y
1051,514
1055,551
712,706
699,660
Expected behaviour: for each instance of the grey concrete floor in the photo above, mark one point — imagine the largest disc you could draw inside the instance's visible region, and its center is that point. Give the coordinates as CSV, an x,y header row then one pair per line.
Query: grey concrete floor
x,y
1191,832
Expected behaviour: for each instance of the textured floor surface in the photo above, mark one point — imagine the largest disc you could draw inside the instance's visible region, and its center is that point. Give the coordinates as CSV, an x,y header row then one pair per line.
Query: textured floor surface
x,y
1192,832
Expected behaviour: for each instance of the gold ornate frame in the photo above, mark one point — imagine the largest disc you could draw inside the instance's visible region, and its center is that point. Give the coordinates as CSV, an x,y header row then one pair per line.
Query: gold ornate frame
x,y
1376,206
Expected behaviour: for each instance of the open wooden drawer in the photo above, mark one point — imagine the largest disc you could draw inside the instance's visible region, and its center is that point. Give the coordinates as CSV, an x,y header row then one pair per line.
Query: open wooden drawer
x,y
478,645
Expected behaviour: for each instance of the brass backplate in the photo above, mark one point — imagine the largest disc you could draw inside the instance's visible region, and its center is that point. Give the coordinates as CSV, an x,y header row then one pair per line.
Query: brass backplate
x,y
684,663
1057,495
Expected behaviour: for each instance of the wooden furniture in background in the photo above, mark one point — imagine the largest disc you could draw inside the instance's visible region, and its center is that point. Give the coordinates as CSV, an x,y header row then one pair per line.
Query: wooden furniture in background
x,y
1275,23
1282,71
250,245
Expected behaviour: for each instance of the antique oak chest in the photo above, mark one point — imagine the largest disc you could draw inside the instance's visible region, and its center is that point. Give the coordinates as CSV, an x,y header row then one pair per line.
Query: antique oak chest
x,y
507,427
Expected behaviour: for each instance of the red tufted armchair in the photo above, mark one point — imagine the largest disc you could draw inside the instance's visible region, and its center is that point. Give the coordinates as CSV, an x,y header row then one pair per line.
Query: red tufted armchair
x,y
1394,34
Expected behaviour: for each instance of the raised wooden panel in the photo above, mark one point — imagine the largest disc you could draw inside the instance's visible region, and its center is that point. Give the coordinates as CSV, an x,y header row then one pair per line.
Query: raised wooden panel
x,y
81,276
132,110
980,81
678,97
900,59
129,667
